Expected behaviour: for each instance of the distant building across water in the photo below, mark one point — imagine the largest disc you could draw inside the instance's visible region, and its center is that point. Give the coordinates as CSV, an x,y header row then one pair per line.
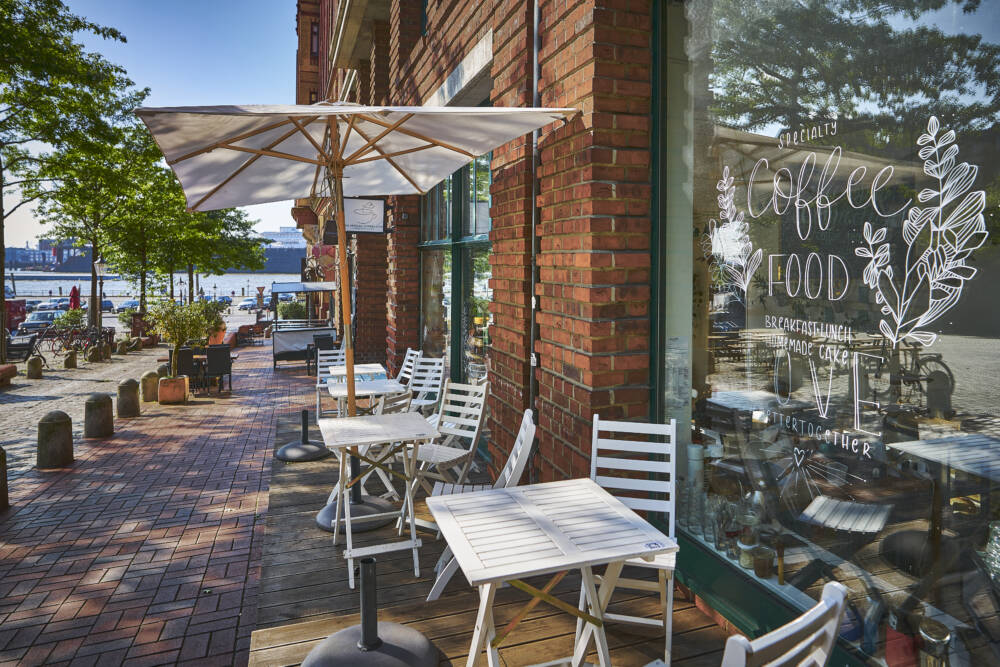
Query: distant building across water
x,y
285,237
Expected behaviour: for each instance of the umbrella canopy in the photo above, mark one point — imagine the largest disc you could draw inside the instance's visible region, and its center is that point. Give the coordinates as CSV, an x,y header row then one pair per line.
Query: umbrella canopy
x,y
239,155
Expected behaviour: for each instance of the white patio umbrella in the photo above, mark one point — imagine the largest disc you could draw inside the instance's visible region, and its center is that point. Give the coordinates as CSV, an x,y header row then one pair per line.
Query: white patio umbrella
x,y
228,156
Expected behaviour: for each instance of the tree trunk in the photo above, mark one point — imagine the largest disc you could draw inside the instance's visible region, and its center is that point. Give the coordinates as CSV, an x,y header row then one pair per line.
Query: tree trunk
x,y
3,268
190,283
94,307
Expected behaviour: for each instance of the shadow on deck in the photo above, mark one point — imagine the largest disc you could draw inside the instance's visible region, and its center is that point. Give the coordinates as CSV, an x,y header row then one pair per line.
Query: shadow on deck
x,y
304,597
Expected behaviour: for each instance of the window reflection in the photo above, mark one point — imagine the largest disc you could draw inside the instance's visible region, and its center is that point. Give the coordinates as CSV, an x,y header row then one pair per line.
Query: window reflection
x,y
847,417
435,306
475,313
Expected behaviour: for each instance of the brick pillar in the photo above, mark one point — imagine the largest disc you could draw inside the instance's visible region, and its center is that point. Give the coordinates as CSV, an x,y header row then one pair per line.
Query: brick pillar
x,y
402,302
379,90
404,33
594,286
370,257
510,256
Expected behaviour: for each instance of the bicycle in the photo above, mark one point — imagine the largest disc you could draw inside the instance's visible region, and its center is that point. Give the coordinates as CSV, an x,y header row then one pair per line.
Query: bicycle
x,y
902,374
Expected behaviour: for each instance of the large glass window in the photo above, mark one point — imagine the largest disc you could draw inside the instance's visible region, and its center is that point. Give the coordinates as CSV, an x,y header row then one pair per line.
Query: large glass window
x,y
455,291
835,320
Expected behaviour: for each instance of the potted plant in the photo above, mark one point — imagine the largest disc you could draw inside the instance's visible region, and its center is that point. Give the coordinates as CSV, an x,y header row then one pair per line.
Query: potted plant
x,y
215,325
175,323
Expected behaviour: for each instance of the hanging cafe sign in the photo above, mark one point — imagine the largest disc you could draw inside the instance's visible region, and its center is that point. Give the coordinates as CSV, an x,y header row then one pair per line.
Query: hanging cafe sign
x,y
914,282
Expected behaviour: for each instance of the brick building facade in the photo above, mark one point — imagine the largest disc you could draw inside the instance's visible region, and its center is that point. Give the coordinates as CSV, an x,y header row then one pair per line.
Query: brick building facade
x,y
592,231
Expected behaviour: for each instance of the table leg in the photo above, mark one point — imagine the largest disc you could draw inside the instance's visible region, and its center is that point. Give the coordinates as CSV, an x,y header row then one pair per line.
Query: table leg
x,y
339,493
347,530
597,602
485,631
410,483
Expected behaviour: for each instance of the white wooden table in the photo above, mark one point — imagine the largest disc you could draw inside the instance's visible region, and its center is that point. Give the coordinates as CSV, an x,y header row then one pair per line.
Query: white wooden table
x,y
366,371
345,436
505,535
362,389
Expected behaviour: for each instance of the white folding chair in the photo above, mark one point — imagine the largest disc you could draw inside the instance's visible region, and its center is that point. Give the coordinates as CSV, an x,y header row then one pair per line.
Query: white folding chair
x,y
640,473
324,360
511,474
426,382
808,640
406,370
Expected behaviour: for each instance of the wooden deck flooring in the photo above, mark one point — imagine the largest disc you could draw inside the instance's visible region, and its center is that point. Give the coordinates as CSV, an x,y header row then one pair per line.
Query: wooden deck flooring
x,y
303,595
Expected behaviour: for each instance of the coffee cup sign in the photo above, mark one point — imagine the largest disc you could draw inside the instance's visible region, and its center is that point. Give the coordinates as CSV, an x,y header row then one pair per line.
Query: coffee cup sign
x,y
941,228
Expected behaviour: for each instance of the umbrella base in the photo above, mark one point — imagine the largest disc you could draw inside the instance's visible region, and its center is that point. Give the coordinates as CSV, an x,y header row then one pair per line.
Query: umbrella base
x,y
299,452
401,646
369,505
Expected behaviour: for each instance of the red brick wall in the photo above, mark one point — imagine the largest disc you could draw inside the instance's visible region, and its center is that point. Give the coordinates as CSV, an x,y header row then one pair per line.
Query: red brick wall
x,y
402,301
379,64
595,226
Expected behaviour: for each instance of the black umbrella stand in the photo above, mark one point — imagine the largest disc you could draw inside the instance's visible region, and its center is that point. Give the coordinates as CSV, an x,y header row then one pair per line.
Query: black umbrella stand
x,y
373,643
304,449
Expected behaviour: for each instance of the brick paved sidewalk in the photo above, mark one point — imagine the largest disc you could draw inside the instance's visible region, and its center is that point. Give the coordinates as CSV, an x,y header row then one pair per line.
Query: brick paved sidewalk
x,y
147,549
26,401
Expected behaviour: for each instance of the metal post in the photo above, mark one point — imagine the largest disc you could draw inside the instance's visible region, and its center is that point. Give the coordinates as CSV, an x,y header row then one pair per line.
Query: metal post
x,y
356,489
305,427
369,607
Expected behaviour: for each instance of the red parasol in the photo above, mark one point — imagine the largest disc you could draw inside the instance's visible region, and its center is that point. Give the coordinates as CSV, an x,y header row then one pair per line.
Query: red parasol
x,y
74,298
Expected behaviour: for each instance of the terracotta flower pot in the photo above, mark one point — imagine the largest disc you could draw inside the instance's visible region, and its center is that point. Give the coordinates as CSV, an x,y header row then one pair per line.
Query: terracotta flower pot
x,y
171,391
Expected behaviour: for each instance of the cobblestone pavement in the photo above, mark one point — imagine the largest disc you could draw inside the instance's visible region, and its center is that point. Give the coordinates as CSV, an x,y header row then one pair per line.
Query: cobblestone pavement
x,y
26,401
146,550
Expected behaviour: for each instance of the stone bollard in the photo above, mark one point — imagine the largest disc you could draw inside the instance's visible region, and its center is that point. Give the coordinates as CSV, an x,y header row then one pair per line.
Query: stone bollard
x,y
34,368
98,419
147,386
55,440
121,347
69,361
163,370
128,398
93,353
106,351
4,501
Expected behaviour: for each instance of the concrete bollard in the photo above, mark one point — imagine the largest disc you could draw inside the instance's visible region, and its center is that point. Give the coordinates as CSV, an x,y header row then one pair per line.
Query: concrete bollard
x,y
106,351
55,440
69,361
163,370
34,368
98,418
4,500
147,386
128,398
121,347
93,354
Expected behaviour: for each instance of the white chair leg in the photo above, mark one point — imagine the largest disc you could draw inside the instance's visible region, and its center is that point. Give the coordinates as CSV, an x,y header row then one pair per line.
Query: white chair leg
x,y
668,613
443,577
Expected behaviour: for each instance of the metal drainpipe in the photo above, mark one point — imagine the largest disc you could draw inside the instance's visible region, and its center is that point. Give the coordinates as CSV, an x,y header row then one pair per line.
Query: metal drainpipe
x,y
533,328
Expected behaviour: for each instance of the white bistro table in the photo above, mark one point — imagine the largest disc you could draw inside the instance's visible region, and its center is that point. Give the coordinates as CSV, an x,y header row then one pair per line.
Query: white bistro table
x,y
345,435
365,371
506,535
362,389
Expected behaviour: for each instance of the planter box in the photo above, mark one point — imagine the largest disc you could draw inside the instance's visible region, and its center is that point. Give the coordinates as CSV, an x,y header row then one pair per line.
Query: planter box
x,y
172,391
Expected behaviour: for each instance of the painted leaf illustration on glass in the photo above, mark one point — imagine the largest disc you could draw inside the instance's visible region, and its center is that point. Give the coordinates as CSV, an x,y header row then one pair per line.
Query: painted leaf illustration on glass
x,y
940,234
728,241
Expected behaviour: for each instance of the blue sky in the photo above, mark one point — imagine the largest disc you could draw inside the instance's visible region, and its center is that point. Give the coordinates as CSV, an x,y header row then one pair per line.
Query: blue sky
x,y
188,52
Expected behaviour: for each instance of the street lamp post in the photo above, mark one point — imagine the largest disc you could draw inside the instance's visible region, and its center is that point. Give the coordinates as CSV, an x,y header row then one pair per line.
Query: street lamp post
x,y
181,284
100,268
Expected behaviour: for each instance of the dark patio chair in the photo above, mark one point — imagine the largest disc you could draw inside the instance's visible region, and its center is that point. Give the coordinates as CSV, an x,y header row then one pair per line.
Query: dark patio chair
x,y
323,341
186,365
219,364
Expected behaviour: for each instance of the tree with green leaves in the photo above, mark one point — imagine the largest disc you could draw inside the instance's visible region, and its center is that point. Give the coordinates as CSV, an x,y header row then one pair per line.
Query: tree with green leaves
x,y
52,92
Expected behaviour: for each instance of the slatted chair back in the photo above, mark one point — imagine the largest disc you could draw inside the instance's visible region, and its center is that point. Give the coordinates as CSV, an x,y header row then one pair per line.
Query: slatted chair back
x,y
519,454
324,360
808,640
623,466
462,411
393,403
406,370
427,380
185,362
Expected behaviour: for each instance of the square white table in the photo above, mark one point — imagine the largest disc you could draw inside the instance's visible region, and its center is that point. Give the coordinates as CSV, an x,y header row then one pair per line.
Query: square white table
x,y
345,435
362,389
365,371
504,535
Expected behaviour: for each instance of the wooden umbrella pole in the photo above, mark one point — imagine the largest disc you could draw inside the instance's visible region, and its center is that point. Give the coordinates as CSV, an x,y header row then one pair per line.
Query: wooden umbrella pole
x,y
335,176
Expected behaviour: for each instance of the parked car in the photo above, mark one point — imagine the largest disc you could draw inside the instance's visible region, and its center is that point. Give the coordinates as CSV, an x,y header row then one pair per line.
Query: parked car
x,y
107,306
51,304
286,296
267,301
31,305
38,321
224,299
248,303
62,303
125,305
